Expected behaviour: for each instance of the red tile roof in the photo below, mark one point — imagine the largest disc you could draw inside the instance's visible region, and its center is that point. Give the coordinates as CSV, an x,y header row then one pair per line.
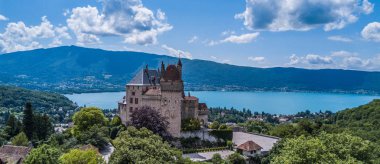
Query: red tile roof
x,y
249,146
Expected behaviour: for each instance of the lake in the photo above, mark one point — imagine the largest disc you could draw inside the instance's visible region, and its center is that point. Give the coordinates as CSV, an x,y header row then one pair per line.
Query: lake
x,y
269,102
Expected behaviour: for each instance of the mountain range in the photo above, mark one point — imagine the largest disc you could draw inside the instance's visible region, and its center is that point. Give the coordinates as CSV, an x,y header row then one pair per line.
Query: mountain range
x,y
72,69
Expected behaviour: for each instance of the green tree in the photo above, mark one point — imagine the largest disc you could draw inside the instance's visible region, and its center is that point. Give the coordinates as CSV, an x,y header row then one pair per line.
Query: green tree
x,y
236,158
142,146
214,125
96,135
28,122
217,159
77,156
116,121
44,154
88,117
190,124
90,127
44,126
327,148
20,140
13,126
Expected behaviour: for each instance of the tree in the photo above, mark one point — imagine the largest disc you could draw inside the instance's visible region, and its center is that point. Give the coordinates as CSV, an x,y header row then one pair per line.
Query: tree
x,y
214,125
190,124
77,156
217,159
327,148
116,121
116,127
236,158
44,126
20,140
88,117
44,154
28,122
150,119
13,126
90,127
142,146
96,135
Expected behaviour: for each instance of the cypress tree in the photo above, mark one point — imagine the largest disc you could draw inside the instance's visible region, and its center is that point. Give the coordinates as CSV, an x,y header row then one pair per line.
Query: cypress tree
x,y
27,121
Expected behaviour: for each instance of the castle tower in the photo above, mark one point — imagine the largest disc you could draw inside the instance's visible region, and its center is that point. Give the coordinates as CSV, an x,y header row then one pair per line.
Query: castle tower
x,y
172,97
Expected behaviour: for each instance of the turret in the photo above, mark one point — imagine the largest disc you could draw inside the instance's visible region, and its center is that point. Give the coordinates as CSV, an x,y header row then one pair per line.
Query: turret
x,y
179,66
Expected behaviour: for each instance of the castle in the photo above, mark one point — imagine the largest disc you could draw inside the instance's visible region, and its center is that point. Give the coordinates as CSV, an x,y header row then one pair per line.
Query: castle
x,y
162,90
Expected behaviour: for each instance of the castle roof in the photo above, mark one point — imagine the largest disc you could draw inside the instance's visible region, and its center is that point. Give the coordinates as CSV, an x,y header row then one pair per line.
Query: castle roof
x,y
249,146
172,72
146,77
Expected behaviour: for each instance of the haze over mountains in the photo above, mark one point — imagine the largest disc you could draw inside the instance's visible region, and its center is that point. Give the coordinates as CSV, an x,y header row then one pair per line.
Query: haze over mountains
x,y
71,69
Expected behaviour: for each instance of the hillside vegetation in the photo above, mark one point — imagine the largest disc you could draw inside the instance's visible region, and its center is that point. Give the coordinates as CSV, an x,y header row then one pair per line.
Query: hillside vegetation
x,y
71,69
363,121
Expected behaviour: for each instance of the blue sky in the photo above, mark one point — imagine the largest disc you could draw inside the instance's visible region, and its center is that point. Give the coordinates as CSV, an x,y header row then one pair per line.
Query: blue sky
x,y
259,33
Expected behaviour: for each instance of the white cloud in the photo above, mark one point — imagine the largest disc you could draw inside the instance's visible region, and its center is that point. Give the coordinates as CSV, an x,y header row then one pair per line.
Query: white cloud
x,y
301,15
228,32
19,37
257,59
343,54
219,60
238,39
339,38
129,19
336,60
310,59
192,39
177,53
3,18
372,32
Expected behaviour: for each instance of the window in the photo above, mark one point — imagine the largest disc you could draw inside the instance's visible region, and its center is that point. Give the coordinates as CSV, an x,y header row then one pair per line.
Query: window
x,y
133,93
136,100
131,109
131,100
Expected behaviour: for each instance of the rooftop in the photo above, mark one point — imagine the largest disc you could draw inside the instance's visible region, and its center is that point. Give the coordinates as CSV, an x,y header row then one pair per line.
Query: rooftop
x,y
13,154
266,142
146,77
249,146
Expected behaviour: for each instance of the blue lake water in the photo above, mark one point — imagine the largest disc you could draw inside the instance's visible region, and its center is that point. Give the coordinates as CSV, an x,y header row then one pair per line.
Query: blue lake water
x,y
270,102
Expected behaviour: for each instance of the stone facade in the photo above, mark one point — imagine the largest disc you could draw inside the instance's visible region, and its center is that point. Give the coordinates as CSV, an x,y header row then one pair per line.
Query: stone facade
x,y
162,90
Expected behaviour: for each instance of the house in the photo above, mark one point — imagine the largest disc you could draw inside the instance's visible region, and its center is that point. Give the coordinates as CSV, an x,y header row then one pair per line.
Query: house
x,y
13,154
249,149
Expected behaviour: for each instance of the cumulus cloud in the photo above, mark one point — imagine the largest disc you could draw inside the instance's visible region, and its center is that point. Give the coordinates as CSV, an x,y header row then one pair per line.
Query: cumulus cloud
x,y
302,15
310,59
257,59
177,53
192,39
237,39
372,32
337,59
19,37
129,19
3,18
339,38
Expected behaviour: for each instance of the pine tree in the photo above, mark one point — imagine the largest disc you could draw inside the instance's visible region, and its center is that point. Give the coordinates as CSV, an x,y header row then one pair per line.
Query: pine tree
x,y
13,126
27,121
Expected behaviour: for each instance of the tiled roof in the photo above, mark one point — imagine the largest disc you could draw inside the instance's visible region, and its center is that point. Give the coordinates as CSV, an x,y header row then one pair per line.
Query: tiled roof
x,y
146,77
191,98
249,146
13,154
153,92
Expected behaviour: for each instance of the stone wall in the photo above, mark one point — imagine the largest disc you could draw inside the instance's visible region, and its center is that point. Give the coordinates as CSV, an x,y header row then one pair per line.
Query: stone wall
x,y
202,134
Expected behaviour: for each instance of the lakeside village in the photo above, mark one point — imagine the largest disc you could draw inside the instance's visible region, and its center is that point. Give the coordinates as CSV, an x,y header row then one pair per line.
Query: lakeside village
x,y
155,100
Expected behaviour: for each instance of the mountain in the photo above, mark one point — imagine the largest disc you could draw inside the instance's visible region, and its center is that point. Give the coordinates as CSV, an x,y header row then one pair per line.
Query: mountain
x,y
70,69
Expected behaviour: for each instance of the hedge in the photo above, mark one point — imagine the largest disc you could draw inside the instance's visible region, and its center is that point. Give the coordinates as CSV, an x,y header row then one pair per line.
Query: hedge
x,y
187,151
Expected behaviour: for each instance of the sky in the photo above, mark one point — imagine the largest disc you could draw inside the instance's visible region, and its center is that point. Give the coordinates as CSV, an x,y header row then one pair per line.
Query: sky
x,y
314,34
